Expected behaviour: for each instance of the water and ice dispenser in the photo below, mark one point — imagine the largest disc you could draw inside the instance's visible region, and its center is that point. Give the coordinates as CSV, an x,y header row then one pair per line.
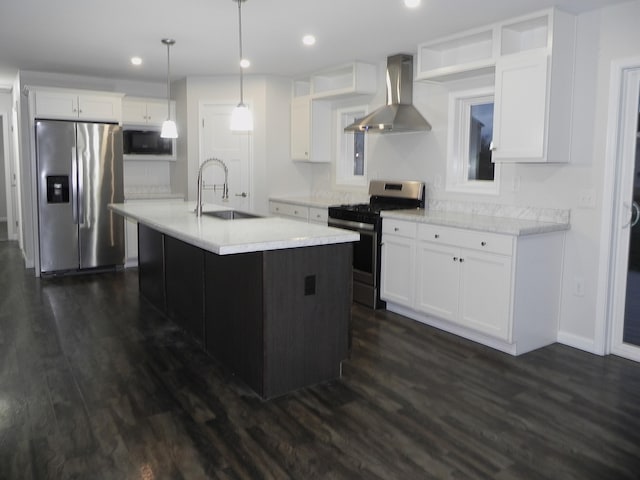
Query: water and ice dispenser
x,y
57,189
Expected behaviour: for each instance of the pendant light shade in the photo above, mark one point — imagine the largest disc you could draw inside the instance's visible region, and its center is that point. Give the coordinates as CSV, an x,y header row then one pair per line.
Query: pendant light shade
x,y
169,129
241,117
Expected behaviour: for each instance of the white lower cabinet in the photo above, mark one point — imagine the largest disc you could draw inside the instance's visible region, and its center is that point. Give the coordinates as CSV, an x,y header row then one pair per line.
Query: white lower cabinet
x,y
398,258
500,290
298,211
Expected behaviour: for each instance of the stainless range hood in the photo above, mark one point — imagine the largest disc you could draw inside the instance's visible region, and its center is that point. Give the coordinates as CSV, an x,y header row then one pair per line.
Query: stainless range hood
x,y
398,115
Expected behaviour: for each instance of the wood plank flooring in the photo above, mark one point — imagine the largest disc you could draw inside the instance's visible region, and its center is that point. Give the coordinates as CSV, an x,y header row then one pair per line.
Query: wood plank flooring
x,y
95,384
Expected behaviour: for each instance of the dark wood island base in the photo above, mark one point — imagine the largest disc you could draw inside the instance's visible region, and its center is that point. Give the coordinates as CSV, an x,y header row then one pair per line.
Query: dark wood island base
x,y
278,319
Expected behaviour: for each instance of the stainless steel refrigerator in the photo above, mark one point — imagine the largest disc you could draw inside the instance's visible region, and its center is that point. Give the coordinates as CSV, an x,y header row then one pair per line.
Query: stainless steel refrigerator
x,y
79,174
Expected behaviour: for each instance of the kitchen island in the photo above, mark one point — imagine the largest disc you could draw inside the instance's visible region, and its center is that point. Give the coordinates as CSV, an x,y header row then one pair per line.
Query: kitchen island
x,y
269,298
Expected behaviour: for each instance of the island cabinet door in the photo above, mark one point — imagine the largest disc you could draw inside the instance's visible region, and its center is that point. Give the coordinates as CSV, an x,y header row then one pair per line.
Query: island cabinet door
x,y
184,280
151,265
233,314
307,303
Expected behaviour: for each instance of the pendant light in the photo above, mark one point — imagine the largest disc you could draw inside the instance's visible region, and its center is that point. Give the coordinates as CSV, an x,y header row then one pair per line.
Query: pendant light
x,y
169,129
241,117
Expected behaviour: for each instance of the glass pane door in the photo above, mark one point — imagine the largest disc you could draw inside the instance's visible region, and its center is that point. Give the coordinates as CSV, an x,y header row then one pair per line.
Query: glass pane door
x,y
632,305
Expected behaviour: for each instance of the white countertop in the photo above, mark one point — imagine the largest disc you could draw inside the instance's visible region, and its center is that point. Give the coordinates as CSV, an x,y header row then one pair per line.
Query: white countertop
x,y
225,237
483,223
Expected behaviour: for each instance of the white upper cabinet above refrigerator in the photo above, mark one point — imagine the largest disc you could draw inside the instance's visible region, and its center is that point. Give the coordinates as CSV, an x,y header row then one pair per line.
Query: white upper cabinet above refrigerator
x,y
64,104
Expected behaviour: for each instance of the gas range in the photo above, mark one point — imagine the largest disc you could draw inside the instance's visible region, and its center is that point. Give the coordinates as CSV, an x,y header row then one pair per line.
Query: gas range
x,y
384,195
365,218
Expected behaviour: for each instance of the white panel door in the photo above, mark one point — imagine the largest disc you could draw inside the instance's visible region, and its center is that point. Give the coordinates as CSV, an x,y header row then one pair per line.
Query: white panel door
x,y
234,149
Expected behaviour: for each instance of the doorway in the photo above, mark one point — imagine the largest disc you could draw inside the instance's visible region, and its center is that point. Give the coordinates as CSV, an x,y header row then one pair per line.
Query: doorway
x,y
234,149
624,284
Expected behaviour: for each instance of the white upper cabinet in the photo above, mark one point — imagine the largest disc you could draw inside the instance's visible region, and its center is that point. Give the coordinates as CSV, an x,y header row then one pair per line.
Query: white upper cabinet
x,y
311,108
310,130
145,111
458,56
76,105
519,120
351,79
532,58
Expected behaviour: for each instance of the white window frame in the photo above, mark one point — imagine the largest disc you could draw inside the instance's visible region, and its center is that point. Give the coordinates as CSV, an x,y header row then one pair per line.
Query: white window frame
x,y
344,153
460,103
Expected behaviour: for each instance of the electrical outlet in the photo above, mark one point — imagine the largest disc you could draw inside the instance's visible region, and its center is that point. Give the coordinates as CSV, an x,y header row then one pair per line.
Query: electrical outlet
x,y
587,198
578,286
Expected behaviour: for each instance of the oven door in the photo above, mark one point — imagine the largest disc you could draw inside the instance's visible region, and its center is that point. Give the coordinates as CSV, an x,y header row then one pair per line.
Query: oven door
x,y
365,260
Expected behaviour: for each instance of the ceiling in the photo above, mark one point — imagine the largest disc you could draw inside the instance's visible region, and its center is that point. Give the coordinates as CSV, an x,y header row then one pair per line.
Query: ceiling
x,y
98,38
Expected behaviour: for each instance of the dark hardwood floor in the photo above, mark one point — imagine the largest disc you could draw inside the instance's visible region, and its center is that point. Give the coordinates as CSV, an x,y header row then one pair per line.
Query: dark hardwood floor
x,y
95,384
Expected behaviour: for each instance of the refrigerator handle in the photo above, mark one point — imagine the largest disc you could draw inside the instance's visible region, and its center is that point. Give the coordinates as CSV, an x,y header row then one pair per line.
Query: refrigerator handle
x,y
74,185
80,191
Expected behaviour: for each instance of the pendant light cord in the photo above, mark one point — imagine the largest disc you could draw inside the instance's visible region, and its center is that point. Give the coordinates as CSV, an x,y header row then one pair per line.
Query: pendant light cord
x,y
240,49
168,42
168,82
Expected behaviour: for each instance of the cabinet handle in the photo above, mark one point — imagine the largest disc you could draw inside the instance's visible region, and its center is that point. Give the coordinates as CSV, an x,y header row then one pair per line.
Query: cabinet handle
x,y
295,212
484,244
396,229
461,260
455,259
436,236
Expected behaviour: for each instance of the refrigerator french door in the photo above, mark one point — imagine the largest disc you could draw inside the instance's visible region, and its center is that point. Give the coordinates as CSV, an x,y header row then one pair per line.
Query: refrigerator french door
x,y
79,174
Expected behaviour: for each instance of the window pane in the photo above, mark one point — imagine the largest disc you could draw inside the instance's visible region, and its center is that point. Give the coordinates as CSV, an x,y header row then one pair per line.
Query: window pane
x,y
480,135
358,153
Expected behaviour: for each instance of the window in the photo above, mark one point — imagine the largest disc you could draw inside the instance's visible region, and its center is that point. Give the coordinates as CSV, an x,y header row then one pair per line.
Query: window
x,y
351,168
469,165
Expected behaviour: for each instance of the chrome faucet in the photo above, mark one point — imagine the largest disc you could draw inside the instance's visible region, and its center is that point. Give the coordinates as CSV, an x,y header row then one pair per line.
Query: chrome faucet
x,y
225,186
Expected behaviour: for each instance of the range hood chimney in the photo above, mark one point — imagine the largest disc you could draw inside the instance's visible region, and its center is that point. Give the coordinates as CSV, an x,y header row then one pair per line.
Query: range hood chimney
x,y
398,115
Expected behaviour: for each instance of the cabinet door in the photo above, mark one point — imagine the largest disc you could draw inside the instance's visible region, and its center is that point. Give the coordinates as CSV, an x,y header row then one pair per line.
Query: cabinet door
x,y
485,292
99,107
520,108
156,112
397,269
61,105
318,215
437,280
134,112
300,128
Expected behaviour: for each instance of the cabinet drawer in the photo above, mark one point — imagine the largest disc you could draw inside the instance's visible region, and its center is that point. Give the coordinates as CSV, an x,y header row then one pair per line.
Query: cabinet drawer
x,y
318,215
484,241
401,228
289,210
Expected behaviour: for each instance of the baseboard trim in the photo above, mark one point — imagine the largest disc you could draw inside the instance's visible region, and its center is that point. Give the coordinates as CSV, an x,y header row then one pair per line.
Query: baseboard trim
x,y
579,342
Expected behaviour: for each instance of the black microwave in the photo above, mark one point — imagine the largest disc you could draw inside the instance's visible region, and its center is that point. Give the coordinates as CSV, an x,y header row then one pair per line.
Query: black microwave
x,y
146,142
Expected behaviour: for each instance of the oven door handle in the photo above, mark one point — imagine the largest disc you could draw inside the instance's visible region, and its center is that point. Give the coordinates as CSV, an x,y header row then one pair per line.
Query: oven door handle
x,y
337,222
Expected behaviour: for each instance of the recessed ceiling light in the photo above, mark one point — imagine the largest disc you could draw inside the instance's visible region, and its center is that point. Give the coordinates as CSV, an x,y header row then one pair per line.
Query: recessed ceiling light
x,y
309,40
245,63
411,3
136,61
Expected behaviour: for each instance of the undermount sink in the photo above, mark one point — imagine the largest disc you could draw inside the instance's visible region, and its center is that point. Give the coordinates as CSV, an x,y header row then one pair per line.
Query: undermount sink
x,y
230,215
